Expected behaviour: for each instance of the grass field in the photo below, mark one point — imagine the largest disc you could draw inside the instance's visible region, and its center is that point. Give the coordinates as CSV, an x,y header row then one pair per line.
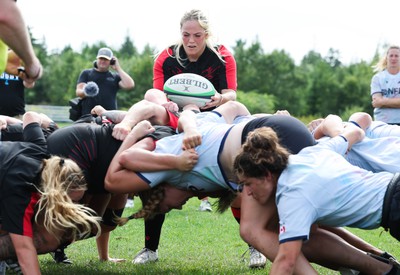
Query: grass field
x,y
192,242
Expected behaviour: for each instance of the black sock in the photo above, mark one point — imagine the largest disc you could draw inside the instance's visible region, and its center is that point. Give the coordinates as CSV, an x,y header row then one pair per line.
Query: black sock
x,y
152,230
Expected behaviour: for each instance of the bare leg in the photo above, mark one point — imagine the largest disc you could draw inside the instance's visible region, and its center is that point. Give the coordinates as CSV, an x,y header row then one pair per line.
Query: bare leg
x,y
142,110
156,96
259,227
354,240
329,250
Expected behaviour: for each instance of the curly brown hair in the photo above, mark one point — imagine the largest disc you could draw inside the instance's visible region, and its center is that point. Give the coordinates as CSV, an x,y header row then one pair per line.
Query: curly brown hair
x,y
260,153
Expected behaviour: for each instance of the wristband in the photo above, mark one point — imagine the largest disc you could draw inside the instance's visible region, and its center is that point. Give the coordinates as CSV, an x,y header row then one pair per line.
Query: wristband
x,y
355,123
345,139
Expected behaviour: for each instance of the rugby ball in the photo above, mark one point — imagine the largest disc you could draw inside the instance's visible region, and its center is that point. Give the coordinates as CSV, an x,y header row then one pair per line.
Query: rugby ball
x,y
188,88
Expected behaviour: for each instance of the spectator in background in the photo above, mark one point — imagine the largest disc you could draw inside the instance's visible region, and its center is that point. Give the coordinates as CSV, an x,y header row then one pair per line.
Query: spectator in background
x,y
99,86
12,88
14,35
385,87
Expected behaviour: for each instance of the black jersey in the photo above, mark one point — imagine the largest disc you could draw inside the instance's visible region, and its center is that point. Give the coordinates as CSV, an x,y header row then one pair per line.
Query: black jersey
x,y
91,146
21,164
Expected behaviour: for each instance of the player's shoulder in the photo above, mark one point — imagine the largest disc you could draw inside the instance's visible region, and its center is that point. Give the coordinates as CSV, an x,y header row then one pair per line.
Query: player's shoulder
x,y
223,50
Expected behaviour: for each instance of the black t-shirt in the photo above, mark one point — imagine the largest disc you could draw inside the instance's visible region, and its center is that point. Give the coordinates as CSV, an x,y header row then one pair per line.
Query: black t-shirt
x,y
21,164
108,83
12,95
91,146
13,132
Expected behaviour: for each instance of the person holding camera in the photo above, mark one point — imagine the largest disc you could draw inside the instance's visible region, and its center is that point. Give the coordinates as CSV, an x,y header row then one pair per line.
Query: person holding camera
x,y
99,86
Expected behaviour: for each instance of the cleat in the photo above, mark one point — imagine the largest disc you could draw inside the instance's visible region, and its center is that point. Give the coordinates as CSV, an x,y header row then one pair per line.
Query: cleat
x,y
60,257
129,203
257,260
13,266
145,256
391,259
205,206
348,271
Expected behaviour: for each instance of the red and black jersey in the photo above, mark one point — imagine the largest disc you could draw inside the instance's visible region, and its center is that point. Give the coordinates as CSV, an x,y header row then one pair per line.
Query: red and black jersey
x,y
92,147
21,165
221,74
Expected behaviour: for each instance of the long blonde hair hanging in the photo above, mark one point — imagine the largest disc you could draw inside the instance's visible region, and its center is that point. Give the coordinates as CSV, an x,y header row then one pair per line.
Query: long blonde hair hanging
x,y
60,214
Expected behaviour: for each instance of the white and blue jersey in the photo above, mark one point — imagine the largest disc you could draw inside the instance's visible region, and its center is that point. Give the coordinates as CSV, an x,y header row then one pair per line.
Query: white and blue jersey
x,y
389,86
379,129
211,116
376,155
320,186
206,174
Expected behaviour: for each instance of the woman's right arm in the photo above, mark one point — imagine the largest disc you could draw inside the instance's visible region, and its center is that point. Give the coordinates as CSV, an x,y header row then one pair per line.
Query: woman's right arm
x,y
141,160
26,253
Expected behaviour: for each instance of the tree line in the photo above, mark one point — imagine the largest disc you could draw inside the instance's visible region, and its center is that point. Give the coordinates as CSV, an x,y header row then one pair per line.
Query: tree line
x,y
267,82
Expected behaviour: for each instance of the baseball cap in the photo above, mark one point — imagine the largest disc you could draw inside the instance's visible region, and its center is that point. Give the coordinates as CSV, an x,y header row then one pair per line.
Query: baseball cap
x,y
105,53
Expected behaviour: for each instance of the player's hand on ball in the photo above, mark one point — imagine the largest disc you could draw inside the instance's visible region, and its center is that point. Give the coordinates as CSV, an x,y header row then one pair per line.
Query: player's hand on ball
x,y
216,101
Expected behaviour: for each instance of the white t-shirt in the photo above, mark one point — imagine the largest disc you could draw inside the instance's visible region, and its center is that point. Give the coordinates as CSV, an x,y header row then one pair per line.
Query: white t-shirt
x,y
206,174
320,186
389,85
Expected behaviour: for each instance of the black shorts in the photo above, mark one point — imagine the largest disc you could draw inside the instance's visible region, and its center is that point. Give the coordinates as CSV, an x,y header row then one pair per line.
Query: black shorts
x,y
391,208
292,133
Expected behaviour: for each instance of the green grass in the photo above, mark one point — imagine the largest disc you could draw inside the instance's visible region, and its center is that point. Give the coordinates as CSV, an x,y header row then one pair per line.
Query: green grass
x,y
192,242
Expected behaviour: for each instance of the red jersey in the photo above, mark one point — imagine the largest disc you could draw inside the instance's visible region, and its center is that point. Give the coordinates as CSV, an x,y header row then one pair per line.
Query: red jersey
x,y
221,74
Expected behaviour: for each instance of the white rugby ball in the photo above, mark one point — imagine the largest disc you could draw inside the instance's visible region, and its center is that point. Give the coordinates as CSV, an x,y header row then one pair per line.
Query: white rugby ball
x,y
188,88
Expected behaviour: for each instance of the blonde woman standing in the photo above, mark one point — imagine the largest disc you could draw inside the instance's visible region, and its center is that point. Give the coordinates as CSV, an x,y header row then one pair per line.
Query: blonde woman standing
x,y
385,87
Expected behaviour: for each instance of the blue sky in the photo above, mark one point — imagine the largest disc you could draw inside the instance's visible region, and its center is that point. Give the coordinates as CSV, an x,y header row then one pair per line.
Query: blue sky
x,y
355,28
